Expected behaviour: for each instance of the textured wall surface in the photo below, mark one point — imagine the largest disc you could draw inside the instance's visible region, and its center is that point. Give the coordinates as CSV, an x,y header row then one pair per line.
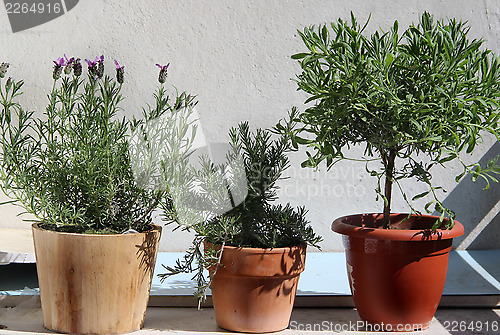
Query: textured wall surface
x,y
235,56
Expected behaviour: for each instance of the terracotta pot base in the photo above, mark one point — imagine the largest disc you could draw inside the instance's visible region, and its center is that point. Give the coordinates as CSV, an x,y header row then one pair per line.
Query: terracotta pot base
x,y
396,276
254,290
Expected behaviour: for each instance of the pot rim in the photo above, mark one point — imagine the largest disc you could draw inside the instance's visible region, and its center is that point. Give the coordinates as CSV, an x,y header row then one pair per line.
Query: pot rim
x,y
155,228
262,250
416,235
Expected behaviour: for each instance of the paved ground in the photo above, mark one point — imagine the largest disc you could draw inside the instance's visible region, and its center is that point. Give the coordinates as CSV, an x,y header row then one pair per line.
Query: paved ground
x,y
473,279
28,320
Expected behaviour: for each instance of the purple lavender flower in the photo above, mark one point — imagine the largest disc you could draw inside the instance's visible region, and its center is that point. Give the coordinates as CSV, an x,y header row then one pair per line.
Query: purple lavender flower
x,y
69,64
77,67
60,62
90,63
119,72
92,67
58,65
100,66
163,73
3,69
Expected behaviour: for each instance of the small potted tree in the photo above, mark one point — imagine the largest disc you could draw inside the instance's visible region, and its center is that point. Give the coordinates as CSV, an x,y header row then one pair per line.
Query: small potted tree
x,y
416,101
72,169
254,250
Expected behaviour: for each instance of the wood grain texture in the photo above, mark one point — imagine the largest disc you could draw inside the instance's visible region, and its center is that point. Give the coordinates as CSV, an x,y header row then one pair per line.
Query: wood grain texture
x,y
95,284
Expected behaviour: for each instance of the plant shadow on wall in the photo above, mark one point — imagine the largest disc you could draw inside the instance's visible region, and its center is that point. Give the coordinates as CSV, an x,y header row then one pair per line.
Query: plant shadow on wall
x,y
474,205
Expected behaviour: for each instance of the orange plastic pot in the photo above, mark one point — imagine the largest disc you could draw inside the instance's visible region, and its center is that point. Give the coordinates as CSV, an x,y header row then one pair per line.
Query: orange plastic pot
x,y
254,289
396,275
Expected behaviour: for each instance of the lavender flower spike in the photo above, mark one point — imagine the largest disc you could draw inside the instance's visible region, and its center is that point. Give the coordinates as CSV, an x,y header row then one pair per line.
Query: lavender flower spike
x,y
60,61
163,73
69,64
119,72
3,69
77,67
92,67
58,65
100,66
118,65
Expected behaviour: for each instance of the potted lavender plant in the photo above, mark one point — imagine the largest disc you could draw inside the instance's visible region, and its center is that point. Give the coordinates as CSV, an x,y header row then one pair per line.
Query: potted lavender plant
x,y
71,168
416,101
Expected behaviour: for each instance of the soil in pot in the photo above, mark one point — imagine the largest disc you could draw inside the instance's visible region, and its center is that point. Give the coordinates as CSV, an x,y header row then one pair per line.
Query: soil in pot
x,y
254,289
95,284
396,275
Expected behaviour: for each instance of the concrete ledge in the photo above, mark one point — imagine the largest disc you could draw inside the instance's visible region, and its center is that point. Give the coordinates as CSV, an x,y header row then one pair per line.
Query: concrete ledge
x,y
334,301
28,320
472,281
303,301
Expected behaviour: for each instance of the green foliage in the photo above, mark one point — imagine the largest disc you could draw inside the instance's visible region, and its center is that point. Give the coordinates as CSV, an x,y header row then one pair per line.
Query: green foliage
x,y
71,167
256,222
428,92
254,164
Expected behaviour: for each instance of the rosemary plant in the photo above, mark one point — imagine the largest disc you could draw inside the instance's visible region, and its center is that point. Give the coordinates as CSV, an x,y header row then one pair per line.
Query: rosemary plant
x,y
71,168
415,100
248,182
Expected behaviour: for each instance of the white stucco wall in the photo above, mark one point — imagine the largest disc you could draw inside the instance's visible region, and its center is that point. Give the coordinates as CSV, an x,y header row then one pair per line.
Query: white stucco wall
x,y
235,56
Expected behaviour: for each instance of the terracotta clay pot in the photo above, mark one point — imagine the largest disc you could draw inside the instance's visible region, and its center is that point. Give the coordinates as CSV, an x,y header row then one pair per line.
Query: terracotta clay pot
x,y
396,275
254,289
94,284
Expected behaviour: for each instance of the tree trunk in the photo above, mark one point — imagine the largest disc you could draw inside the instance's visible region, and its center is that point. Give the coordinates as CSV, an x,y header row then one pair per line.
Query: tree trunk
x,y
389,171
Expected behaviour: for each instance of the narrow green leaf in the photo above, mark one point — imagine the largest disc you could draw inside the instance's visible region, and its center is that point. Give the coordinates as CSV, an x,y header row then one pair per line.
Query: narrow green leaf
x,y
388,60
300,55
421,195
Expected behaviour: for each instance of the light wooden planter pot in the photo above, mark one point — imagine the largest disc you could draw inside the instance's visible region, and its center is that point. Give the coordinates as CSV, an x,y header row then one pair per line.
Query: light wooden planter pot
x,y
94,284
